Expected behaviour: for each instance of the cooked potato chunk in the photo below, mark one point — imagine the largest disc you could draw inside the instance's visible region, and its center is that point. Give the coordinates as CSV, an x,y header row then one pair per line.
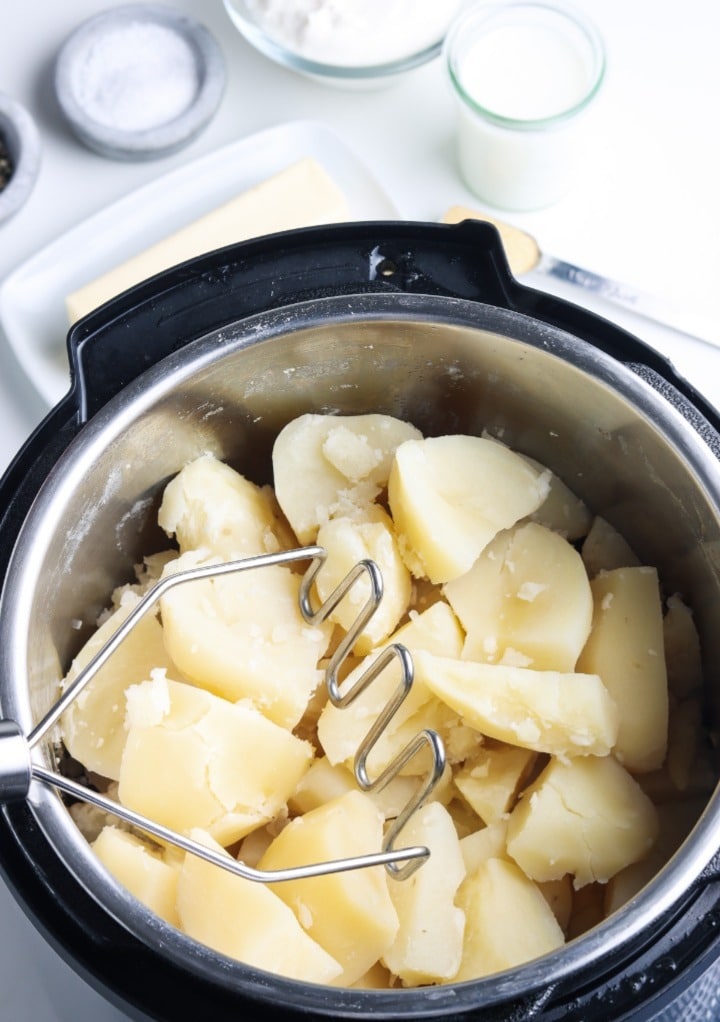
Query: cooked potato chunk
x,y
428,945
91,820
194,760
564,714
141,869
527,594
93,726
247,921
687,770
349,914
324,782
676,820
450,495
242,636
559,896
626,650
341,730
349,542
325,466
433,715
683,657
254,845
487,843
376,978
508,921
562,511
605,549
209,506
587,817
491,779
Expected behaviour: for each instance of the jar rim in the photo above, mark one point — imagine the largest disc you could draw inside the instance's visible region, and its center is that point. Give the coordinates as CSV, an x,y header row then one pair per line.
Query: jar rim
x,y
487,13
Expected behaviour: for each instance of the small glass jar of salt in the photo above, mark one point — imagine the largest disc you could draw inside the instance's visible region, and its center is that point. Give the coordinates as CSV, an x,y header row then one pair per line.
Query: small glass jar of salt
x,y
524,74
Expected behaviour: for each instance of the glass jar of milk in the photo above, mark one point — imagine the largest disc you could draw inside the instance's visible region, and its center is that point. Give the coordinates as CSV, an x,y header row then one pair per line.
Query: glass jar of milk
x,y
524,74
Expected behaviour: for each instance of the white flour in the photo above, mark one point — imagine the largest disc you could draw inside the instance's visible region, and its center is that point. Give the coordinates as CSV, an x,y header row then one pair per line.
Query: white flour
x,y
136,76
354,32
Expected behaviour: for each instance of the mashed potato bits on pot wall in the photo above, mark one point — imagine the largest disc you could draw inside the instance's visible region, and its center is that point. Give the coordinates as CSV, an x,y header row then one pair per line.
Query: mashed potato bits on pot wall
x,y
561,677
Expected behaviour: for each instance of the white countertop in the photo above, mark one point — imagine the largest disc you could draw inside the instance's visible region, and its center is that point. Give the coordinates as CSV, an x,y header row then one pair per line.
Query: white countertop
x,y
647,212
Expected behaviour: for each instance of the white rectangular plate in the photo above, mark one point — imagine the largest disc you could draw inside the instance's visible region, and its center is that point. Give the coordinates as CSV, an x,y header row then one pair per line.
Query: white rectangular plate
x,y
32,298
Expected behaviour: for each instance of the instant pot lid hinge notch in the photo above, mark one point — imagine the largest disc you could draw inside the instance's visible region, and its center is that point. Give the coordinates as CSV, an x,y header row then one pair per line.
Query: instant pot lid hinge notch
x,y
19,768
465,260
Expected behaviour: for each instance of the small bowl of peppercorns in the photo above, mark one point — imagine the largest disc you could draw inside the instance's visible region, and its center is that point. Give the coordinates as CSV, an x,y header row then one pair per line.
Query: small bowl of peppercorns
x,y
19,156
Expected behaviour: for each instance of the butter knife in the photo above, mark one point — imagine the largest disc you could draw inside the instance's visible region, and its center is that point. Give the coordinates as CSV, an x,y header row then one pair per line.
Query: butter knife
x,y
524,254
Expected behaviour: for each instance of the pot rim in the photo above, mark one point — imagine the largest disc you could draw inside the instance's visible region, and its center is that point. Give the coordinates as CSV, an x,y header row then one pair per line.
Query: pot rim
x,y
660,896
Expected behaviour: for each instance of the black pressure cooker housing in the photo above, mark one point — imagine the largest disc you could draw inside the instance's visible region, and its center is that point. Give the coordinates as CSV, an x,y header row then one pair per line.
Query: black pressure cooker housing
x,y
655,974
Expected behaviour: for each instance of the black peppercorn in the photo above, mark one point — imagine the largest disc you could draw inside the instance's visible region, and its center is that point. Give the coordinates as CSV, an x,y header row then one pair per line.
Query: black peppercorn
x,y
6,167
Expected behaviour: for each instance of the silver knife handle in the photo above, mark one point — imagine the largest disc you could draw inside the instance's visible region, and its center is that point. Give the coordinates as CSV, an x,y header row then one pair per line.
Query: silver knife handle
x,y
702,324
612,290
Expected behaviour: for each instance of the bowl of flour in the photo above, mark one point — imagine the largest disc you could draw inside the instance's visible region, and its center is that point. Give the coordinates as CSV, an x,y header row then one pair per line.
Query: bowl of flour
x,y
346,42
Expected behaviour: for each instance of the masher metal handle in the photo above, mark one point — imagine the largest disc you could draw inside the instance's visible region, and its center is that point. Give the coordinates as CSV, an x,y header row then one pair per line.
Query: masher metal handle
x,y
395,652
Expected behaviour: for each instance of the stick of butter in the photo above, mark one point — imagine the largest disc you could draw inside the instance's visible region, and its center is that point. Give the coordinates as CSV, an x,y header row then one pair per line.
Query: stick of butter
x,y
302,195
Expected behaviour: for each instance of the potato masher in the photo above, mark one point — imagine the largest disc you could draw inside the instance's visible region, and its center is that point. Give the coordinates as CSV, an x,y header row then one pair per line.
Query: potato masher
x,y
18,768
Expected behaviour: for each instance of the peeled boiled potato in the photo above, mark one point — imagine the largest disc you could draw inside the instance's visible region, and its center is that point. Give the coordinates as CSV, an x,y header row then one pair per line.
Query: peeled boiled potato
x,y
543,671
626,650
350,914
546,711
192,759
605,549
429,942
450,495
526,600
324,782
683,657
209,506
347,543
562,511
325,466
341,731
508,920
675,821
247,921
141,869
586,817
487,843
490,780
242,636
93,725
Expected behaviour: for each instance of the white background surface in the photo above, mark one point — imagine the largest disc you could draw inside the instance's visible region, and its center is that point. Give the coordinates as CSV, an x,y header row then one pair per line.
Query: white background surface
x,y
647,212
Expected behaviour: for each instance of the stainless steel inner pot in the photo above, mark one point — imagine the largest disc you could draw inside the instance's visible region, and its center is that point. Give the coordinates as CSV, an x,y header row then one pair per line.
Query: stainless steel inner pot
x,y
448,365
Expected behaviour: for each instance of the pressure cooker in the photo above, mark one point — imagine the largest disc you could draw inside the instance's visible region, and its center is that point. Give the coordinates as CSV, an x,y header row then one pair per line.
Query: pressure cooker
x,y
423,322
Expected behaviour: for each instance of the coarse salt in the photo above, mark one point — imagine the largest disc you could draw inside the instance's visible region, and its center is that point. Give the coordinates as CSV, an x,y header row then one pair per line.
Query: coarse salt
x,y
136,77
